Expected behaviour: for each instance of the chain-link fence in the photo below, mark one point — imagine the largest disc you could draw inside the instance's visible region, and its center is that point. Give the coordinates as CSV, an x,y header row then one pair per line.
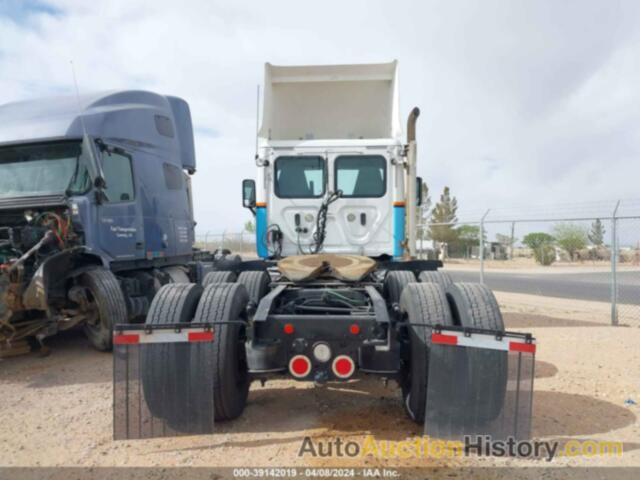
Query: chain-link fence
x,y
242,243
582,264
553,261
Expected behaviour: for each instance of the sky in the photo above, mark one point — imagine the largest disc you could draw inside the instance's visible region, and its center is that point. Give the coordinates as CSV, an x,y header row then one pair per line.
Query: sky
x,y
523,102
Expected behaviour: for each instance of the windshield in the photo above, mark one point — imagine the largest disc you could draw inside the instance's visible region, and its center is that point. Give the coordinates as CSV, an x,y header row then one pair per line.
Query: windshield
x,y
300,177
43,169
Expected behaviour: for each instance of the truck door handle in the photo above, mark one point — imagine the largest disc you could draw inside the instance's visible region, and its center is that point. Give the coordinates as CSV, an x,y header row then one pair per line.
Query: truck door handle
x,y
138,245
297,219
363,219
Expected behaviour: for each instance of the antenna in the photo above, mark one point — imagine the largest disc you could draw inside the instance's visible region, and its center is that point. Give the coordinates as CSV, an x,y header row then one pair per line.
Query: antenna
x,y
75,83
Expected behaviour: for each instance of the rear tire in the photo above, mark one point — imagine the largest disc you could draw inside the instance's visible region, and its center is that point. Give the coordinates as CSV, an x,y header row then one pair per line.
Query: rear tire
x,y
163,367
226,303
394,283
433,276
423,303
106,297
256,283
474,306
218,277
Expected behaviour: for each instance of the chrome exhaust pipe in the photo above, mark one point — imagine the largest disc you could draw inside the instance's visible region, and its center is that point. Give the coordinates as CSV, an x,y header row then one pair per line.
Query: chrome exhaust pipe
x,y
411,200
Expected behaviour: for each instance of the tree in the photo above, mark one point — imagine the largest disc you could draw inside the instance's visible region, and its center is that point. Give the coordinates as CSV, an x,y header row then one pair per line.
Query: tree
x,y
571,238
542,246
443,218
536,239
468,236
250,226
596,235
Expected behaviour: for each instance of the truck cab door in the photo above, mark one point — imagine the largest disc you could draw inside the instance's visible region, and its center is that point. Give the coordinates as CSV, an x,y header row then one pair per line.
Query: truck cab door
x,y
299,183
360,221
120,232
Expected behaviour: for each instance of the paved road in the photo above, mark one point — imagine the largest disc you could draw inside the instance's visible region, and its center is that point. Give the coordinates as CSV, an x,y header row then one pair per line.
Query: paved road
x,y
582,286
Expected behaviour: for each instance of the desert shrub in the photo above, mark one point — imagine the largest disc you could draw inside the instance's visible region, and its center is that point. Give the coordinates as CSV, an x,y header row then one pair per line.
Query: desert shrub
x,y
545,254
541,244
629,256
594,254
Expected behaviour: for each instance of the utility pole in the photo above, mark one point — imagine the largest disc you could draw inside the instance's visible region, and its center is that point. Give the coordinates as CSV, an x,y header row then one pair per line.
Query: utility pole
x,y
482,246
512,240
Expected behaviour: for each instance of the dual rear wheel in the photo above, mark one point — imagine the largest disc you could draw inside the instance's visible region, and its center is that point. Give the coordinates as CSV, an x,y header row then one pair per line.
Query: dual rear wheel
x,y
221,301
436,300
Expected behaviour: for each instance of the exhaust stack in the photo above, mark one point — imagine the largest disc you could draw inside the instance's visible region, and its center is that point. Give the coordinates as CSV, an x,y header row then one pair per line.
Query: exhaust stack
x,y
411,174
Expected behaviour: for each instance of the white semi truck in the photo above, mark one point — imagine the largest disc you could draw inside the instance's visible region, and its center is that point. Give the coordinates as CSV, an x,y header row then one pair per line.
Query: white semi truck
x,y
336,292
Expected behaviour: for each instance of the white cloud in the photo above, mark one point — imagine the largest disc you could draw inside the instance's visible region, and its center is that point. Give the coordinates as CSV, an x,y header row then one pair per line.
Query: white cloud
x,y
522,102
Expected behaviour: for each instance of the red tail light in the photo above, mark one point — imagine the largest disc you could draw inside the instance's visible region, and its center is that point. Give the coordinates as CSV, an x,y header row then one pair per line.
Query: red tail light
x,y
289,329
354,329
300,366
343,366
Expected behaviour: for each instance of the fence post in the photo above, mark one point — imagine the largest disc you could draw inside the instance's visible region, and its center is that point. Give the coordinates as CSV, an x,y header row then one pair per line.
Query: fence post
x,y
482,245
614,266
241,242
222,241
206,240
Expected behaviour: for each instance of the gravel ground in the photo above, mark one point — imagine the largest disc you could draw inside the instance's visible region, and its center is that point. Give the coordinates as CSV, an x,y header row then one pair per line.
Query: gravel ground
x,y
56,410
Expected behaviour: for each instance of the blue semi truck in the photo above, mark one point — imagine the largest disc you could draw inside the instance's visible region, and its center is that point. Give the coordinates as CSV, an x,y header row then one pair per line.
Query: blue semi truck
x,y
95,212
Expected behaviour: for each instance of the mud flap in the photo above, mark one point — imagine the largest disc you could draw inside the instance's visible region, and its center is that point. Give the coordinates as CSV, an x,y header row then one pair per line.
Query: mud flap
x,y
479,383
162,381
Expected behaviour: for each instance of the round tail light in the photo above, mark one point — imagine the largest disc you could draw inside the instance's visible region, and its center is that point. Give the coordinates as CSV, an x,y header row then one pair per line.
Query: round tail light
x,y
300,366
343,366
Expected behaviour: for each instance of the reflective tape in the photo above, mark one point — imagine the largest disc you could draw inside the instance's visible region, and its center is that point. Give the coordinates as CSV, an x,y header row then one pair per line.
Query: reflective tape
x,y
185,335
483,340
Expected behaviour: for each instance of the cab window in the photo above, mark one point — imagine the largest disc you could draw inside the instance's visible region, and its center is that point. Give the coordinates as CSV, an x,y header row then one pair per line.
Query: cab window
x,y
300,177
361,175
118,176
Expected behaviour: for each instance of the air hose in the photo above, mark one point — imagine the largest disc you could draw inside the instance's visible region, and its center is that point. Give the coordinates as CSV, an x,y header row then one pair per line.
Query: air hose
x,y
321,221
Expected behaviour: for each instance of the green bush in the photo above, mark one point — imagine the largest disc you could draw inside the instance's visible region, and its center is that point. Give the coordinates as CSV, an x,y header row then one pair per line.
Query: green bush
x,y
545,254
541,244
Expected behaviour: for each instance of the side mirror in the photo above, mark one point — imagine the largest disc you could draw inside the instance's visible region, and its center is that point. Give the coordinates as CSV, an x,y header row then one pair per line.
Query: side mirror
x,y
249,193
419,191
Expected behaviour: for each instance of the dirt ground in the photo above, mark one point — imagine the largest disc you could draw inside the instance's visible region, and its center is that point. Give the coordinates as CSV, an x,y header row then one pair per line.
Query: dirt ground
x,y
56,410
